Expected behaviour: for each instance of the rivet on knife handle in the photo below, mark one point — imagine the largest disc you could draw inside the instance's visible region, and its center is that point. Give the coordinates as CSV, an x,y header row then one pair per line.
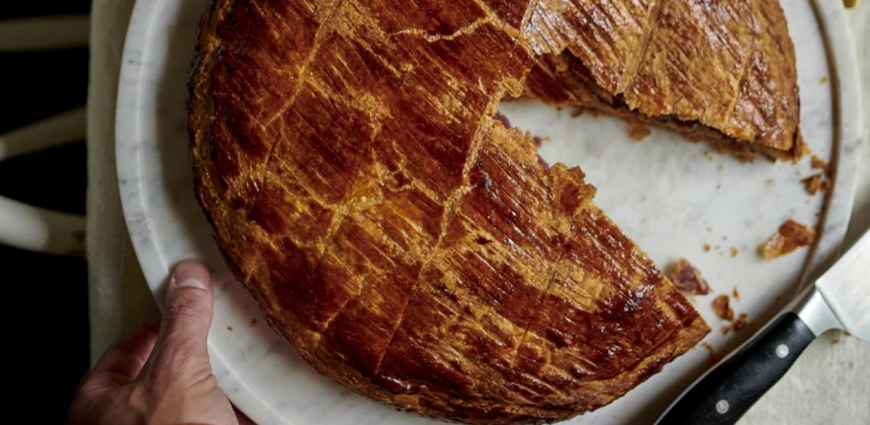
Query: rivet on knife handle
x,y
726,393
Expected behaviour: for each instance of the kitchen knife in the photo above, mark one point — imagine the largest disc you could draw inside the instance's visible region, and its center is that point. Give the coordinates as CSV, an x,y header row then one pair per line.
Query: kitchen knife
x,y
840,299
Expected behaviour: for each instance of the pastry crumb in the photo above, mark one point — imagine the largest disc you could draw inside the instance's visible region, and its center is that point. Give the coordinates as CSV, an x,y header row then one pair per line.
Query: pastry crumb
x,y
740,323
817,163
714,357
812,184
638,131
538,141
790,236
230,328
706,247
816,183
688,279
736,294
823,80
734,252
722,309
850,3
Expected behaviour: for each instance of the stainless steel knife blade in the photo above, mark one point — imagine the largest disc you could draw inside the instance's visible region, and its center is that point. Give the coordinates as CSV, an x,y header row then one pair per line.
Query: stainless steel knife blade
x,y
845,287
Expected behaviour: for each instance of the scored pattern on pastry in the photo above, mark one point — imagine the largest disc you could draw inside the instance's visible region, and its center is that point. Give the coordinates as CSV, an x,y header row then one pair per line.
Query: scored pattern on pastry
x,y
410,246
718,71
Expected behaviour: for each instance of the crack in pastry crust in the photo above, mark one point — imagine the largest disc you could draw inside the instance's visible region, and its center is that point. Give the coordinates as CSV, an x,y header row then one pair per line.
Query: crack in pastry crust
x,y
404,242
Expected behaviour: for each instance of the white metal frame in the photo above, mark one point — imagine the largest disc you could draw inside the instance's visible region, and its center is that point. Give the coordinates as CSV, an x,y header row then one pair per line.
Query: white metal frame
x,y
21,225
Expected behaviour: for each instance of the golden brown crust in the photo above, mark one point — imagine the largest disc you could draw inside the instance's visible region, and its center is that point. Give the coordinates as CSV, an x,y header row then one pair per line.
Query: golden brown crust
x,y
404,242
718,71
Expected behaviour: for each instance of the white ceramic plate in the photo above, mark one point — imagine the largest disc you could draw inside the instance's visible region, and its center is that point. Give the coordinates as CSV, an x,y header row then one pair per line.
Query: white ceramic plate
x,y
665,193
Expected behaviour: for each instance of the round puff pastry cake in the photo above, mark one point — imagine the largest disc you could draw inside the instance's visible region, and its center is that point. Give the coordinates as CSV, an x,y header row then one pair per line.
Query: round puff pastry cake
x,y
414,249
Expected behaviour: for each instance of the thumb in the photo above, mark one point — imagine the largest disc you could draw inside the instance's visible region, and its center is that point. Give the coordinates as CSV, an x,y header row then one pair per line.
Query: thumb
x,y
187,312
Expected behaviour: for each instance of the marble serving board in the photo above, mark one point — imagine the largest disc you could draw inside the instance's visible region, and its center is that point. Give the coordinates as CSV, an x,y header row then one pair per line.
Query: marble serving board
x,y
672,197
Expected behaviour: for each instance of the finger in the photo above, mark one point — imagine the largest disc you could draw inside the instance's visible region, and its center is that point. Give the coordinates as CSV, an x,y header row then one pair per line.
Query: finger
x,y
125,359
187,312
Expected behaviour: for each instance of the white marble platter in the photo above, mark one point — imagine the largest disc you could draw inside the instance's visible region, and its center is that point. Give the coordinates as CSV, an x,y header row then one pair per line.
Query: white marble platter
x,y
670,196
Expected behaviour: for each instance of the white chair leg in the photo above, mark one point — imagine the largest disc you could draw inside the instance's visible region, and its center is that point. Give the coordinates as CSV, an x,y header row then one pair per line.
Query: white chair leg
x,y
44,33
37,229
58,130
21,225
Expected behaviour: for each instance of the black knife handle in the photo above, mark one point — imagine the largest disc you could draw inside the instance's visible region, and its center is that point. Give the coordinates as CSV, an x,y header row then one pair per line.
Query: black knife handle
x,y
726,393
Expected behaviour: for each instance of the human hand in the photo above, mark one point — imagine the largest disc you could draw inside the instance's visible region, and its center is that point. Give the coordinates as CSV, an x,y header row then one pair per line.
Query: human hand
x,y
161,373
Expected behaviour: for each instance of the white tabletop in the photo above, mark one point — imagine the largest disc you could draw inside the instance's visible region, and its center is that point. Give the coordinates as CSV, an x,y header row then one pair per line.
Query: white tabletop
x,y
829,384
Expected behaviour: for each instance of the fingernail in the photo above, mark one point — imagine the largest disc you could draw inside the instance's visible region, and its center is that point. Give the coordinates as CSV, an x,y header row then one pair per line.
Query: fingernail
x,y
191,274
192,283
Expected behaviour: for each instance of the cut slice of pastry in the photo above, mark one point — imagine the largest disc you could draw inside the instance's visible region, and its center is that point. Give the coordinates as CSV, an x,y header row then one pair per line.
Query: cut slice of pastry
x,y
406,243
717,71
